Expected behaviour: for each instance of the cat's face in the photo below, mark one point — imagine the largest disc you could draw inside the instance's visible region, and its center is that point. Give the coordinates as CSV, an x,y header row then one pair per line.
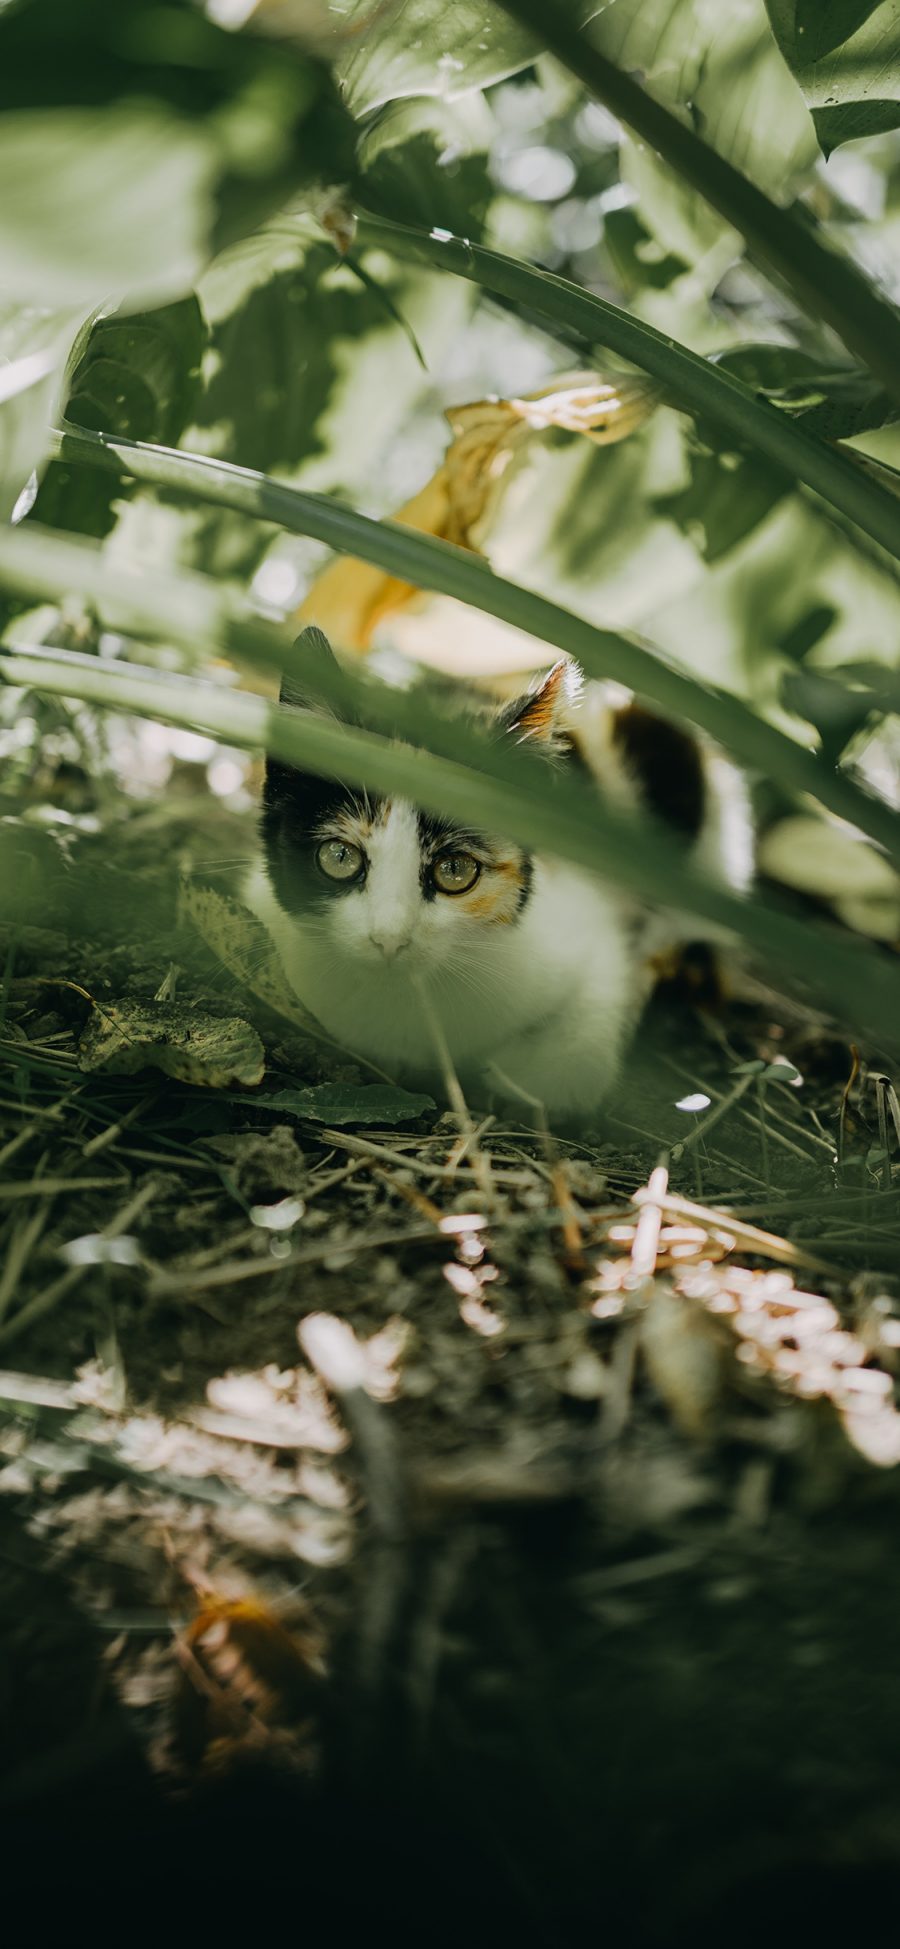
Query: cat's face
x,y
393,886
382,881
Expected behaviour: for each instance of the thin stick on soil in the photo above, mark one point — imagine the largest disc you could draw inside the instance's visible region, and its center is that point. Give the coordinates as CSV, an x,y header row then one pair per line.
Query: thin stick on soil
x,y
458,1104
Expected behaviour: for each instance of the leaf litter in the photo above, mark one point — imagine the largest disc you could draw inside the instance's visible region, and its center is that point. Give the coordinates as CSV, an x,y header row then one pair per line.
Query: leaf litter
x,y
299,1361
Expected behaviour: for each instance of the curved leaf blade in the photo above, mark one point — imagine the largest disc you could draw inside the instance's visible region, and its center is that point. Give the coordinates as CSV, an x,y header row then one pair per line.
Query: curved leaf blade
x,y
424,47
845,54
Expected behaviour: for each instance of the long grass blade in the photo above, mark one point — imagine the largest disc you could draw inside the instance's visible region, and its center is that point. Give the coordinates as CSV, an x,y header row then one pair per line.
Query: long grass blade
x,y
690,382
514,794
191,609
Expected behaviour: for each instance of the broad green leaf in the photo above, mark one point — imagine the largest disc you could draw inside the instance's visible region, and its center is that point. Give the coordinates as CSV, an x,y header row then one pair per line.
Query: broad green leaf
x,y
836,401
726,497
425,47
638,258
716,64
34,346
845,54
137,377
425,161
828,862
307,375
350,1103
224,129
837,711
680,220
114,200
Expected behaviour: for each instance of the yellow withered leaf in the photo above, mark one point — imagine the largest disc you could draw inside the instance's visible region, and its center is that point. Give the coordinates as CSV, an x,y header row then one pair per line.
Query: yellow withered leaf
x,y
460,503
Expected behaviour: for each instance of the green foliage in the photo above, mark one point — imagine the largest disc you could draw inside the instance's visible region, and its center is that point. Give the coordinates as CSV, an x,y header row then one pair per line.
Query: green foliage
x,y
727,495
138,377
34,346
846,56
424,47
188,184
699,60
425,161
184,135
150,175
835,401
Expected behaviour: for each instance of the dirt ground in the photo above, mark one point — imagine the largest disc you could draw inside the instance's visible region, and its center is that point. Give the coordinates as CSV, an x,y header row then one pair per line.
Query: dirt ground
x,y
418,1513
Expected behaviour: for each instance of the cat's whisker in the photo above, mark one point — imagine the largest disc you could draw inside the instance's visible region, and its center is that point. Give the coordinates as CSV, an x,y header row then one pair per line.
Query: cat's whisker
x,y
201,869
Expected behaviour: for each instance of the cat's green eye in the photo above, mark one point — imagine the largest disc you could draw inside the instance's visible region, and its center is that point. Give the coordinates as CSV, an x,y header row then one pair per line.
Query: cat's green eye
x,y
339,860
455,872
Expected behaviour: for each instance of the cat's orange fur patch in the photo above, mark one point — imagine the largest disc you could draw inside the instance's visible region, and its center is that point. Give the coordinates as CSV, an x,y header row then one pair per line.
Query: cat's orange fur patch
x,y
354,827
496,895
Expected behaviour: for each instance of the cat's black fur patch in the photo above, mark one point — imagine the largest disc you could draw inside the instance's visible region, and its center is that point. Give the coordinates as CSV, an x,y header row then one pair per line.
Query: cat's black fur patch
x,y
295,806
667,764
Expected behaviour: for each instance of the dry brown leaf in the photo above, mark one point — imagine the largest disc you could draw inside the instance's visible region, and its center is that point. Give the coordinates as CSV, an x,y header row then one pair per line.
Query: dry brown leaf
x,y
246,1684
181,1040
245,947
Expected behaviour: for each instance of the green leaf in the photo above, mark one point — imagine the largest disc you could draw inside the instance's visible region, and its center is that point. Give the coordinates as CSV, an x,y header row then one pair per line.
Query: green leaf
x,y
727,496
834,401
825,283
342,1103
690,382
196,612
638,258
331,373
425,160
424,47
34,346
837,711
138,377
716,65
508,791
845,54
109,200
250,122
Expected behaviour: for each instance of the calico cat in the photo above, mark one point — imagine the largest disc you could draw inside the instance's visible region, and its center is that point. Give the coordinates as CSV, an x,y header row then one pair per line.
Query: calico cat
x,y
537,970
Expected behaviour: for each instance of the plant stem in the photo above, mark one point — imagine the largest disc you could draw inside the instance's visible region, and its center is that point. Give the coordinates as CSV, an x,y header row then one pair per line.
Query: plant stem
x,y
545,812
429,563
691,383
826,284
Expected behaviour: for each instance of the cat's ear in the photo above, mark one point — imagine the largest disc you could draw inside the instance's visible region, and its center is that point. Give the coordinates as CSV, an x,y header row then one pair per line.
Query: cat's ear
x,y
540,716
311,654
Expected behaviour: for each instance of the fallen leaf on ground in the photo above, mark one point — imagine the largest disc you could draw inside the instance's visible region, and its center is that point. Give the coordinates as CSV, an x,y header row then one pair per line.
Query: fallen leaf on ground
x,y
245,947
351,1103
185,1042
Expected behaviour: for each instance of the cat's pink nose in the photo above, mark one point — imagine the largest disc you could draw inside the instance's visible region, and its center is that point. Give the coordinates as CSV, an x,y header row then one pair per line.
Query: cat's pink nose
x,y
390,944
